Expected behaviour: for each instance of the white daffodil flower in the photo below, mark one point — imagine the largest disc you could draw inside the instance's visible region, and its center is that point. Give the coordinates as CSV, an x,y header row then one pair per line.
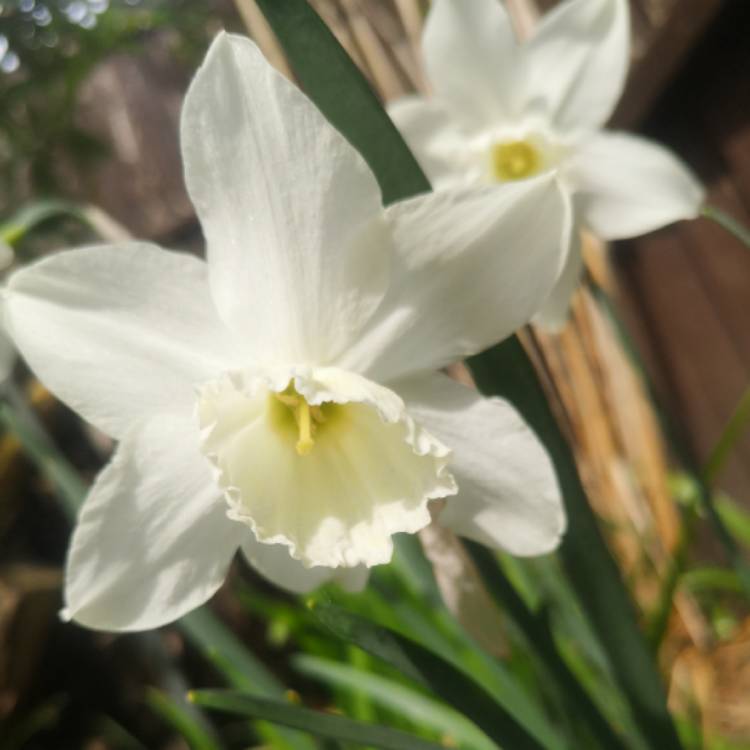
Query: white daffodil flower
x,y
282,397
503,110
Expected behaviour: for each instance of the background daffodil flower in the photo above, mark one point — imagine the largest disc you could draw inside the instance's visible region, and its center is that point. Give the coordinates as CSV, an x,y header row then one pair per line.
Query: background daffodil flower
x,y
282,396
505,110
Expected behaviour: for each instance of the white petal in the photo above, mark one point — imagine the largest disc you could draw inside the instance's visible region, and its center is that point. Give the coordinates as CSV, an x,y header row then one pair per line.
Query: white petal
x,y
508,497
628,186
578,60
368,475
274,562
119,332
471,266
554,313
286,204
472,61
153,540
437,141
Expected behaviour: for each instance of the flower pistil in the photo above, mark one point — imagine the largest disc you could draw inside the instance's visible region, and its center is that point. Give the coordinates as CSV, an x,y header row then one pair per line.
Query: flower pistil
x,y
307,419
515,160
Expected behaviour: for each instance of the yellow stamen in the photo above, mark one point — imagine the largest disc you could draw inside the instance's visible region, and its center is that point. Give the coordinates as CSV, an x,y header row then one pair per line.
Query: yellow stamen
x,y
302,415
514,160
293,415
288,399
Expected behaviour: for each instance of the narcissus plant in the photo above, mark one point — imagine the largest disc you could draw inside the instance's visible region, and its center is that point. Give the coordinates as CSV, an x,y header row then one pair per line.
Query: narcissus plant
x,y
283,397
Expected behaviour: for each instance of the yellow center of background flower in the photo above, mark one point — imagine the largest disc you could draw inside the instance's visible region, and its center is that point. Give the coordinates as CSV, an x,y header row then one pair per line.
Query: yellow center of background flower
x,y
514,160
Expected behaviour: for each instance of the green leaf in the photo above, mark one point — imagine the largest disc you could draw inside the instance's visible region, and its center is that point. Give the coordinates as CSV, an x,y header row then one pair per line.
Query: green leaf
x,y
222,647
28,217
734,517
729,438
448,682
330,726
699,487
407,702
240,668
342,93
727,222
18,418
411,604
539,639
181,721
344,96
16,735
506,371
711,579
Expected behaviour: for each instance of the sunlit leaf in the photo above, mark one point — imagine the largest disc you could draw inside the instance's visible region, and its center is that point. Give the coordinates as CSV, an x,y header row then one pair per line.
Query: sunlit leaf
x,y
196,736
441,677
407,702
320,724
29,217
540,640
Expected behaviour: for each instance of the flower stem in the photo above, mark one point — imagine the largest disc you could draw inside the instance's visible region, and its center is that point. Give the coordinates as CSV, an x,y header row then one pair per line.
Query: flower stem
x,y
731,225
736,425
21,421
680,447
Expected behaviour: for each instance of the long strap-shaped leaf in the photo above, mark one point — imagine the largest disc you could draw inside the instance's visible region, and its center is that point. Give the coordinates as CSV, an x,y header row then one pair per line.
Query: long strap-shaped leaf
x,y
342,93
423,666
172,713
507,371
316,723
403,700
540,640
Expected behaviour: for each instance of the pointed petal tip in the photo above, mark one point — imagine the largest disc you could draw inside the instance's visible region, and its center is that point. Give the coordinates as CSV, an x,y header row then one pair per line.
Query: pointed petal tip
x,y
654,186
554,540
578,61
224,39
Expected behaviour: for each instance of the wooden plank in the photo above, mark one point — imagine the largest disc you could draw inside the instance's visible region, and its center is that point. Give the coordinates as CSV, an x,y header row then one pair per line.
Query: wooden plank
x,y
131,104
376,54
258,28
703,375
660,49
697,331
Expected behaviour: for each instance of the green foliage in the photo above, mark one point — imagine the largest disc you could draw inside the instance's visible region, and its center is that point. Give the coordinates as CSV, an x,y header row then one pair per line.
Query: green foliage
x,y
55,46
423,666
314,722
197,736
586,716
396,697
